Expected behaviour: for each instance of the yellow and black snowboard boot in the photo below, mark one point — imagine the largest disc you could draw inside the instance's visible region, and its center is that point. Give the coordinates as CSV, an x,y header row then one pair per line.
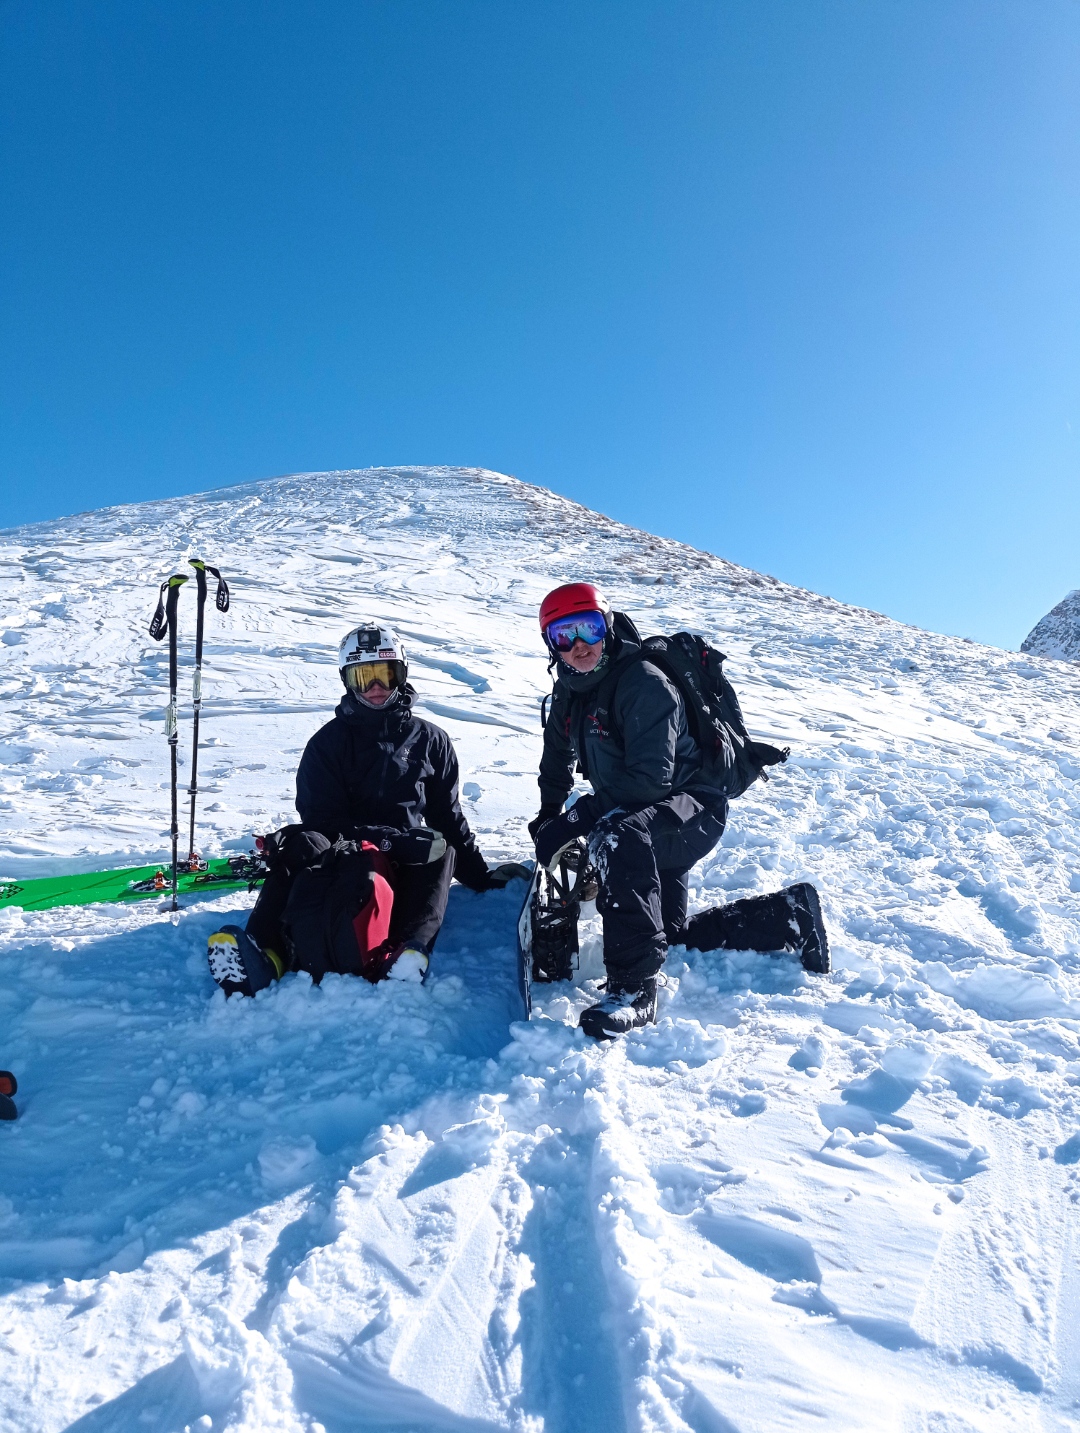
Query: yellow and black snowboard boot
x,y
238,964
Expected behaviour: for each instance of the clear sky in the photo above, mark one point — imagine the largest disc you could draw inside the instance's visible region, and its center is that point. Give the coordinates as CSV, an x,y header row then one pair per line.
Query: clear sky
x,y
794,280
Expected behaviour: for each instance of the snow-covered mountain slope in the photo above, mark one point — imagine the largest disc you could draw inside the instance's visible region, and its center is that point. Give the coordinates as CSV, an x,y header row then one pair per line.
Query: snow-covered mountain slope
x,y
1058,633
842,1203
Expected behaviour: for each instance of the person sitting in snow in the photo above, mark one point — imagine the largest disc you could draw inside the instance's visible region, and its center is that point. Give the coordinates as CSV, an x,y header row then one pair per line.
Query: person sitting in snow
x,y
651,816
361,885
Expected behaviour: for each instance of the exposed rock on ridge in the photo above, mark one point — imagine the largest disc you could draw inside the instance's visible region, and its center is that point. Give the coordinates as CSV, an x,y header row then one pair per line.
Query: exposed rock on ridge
x,y
1058,634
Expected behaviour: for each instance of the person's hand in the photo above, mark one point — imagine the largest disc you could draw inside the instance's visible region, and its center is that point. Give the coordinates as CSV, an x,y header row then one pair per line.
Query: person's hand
x,y
547,811
556,835
500,876
418,846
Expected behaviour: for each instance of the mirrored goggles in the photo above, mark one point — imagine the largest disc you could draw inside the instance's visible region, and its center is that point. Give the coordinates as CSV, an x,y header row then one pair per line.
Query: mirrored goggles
x,y
561,634
364,675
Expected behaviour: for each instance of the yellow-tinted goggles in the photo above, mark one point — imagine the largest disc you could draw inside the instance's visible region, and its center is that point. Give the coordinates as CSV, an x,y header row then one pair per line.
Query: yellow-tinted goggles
x,y
364,675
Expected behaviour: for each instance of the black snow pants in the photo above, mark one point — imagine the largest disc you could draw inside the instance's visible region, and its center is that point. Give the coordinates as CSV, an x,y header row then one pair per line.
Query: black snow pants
x,y
643,859
420,893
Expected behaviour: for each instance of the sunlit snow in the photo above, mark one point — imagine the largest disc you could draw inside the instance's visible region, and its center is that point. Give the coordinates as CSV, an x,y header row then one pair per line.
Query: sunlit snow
x,y
849,1203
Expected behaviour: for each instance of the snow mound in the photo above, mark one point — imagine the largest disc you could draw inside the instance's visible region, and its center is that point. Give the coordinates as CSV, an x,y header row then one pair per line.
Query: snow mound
x,y
1058,633
795,1202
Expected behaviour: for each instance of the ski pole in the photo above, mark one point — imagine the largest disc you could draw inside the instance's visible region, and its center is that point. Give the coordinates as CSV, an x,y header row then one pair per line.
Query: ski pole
x,y
164,619
221,602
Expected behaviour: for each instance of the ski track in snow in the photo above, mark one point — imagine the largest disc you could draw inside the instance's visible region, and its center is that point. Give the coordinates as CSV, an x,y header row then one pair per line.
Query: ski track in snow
x,y
850,1202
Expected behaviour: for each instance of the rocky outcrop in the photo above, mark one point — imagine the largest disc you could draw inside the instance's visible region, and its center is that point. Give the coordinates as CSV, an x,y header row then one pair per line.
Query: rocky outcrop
x,y
1058,634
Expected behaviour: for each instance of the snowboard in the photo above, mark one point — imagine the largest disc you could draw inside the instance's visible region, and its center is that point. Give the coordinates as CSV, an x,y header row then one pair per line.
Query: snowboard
x,y
129,884
524,944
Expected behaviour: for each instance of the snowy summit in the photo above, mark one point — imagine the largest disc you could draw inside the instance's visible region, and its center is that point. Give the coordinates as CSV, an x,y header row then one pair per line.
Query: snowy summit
x,y
1058,633
846,1202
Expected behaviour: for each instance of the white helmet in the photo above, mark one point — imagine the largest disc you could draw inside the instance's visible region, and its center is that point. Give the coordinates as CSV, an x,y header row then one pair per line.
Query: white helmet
x,y
373,653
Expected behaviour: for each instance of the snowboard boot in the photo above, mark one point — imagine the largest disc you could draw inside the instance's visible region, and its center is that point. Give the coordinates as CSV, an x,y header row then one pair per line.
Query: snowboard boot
x,y
240,966
783,920
620,1010
806,909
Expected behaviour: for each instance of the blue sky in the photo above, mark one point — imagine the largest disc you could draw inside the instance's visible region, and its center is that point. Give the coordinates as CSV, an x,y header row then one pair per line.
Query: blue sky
x,y
794,280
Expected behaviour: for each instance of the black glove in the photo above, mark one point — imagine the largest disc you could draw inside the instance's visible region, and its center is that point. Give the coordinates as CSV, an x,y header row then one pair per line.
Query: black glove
x,y
547,810
555,835
471,870
418,846
415,846
500,876
292,848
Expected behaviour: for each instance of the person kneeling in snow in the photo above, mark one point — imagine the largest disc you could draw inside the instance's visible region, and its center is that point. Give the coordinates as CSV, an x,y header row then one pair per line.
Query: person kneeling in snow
x,y
657,807
361,885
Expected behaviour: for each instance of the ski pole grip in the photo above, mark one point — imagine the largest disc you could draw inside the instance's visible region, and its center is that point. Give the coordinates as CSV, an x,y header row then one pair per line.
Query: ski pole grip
x,y
221,596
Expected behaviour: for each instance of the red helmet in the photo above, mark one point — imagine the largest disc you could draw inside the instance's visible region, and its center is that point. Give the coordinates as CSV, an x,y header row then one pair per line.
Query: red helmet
x,y
570,599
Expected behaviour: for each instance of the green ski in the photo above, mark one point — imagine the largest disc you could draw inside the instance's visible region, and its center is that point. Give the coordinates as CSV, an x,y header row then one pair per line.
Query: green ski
x,y
129,884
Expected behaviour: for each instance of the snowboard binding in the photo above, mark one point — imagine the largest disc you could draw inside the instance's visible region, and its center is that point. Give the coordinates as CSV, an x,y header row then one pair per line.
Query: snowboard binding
x,y
157,882
555,906
548,926
251,868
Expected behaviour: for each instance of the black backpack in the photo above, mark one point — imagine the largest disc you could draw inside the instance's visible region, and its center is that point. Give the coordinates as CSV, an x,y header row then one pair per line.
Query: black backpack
x,y
731,760
317,906
325,920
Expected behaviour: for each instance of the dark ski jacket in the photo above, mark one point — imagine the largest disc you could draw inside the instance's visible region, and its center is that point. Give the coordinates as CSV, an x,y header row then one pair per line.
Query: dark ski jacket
x,y
368,772
640,754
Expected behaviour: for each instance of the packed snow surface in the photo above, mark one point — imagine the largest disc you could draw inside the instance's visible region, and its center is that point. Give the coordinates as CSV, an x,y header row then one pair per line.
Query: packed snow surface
x,y
795,1203
1058,633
